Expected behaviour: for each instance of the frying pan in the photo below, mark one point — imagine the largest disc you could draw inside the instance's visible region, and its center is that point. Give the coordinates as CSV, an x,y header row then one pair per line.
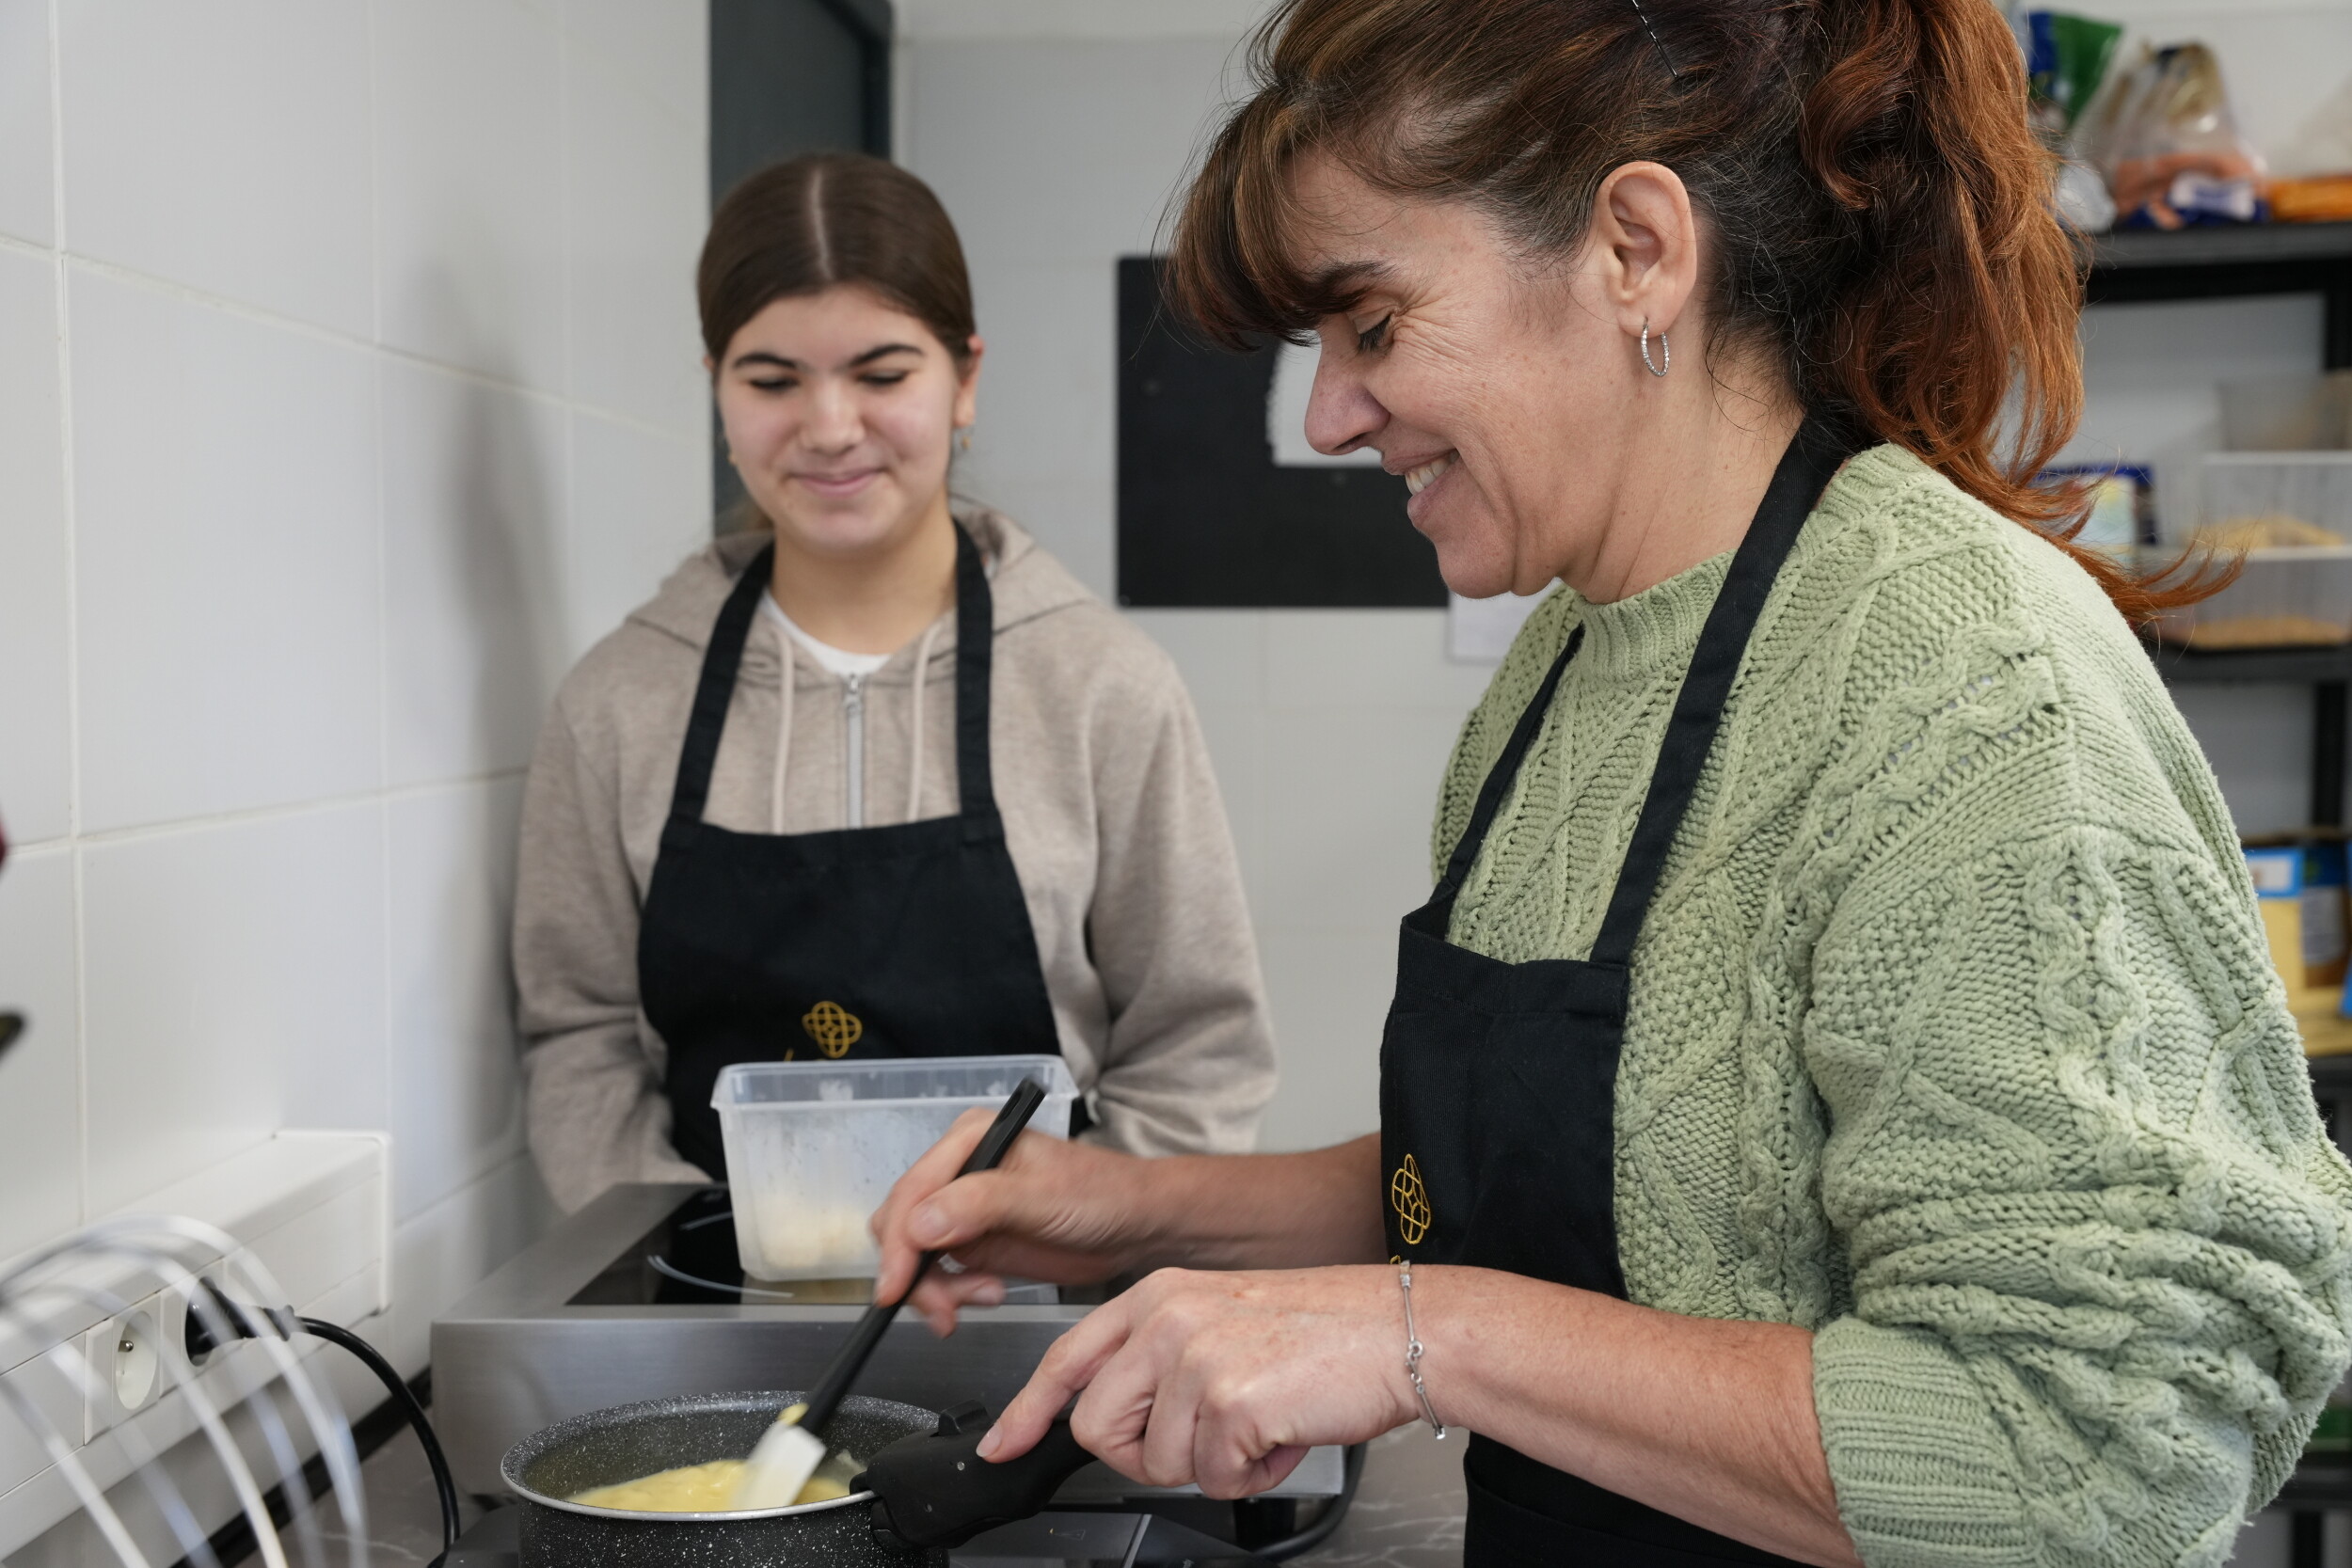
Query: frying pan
x,y
923,1491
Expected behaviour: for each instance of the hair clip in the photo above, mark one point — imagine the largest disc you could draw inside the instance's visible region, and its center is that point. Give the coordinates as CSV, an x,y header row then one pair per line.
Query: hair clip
x,y
1652,31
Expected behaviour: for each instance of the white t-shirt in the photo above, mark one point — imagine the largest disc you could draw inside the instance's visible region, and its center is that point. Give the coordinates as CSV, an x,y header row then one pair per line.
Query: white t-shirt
x,y
840,662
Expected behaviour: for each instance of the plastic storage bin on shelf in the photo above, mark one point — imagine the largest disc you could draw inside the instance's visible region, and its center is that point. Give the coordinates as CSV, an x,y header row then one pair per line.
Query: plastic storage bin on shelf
x,y
813,1148
2296,590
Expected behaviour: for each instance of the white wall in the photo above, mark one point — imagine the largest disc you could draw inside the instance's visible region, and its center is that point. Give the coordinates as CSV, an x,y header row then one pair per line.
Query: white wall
x,y
348,388
1056,142
1056,130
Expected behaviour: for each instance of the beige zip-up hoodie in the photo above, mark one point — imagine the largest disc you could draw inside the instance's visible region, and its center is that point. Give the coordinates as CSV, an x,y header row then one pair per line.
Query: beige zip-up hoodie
x,y
1111,815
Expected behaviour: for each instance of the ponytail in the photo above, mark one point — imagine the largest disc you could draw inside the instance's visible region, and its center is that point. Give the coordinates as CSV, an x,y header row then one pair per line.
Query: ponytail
x,y
1879,210
1964,289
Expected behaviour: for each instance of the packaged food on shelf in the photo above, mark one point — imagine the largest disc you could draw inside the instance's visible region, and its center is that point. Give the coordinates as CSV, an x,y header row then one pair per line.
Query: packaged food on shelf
x,y
2169,144
2313,198
2326,931
2313,167
2277,873
2308,870
2122,509
2299,889
2066,62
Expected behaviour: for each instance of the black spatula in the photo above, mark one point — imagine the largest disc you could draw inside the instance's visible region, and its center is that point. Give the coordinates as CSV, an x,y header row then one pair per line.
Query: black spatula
x,y
789,1451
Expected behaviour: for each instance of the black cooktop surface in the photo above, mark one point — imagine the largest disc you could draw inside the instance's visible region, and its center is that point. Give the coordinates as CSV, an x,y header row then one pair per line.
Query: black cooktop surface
x,y
1049,1541
690,1259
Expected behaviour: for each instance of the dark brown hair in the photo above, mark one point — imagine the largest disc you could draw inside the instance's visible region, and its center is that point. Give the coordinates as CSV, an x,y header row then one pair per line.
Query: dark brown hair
x,y
1877,211
803,225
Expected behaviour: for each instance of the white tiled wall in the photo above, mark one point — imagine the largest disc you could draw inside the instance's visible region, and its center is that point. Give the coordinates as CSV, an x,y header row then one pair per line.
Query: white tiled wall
x,y
348,388
1330,729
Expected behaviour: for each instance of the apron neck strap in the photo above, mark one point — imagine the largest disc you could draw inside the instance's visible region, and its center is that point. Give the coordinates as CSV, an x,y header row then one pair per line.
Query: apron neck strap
x,y
723,657
1500,776
976,637
1804,472
707,719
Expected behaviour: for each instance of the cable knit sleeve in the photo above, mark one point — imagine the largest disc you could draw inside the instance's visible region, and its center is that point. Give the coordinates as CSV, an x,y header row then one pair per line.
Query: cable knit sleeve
x,y
2097,1237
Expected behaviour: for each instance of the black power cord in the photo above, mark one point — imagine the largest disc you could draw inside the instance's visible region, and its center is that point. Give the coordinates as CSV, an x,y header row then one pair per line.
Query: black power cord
x,y
248,1322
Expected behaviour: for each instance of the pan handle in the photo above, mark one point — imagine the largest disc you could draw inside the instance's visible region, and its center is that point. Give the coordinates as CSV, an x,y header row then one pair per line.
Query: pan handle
x,y
934,1491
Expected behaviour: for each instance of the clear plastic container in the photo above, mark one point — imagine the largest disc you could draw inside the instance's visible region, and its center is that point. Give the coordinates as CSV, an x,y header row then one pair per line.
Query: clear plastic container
x,y
2288,413
2282,598
2288,594
813,1148
2298,490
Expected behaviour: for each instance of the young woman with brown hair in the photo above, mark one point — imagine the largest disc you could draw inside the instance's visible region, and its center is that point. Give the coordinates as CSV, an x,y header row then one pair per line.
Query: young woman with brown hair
x,y
874,776
1837,1106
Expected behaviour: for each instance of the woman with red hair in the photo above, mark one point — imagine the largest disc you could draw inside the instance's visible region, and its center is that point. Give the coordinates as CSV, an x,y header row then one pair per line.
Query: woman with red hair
x,y
1836,1106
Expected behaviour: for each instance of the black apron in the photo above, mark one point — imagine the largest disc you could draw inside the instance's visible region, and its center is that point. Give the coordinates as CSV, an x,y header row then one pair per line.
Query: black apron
x,y
911,939
1498,1080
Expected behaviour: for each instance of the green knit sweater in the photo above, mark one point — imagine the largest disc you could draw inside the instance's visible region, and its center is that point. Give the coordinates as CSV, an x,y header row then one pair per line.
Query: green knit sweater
x,y
1953,1036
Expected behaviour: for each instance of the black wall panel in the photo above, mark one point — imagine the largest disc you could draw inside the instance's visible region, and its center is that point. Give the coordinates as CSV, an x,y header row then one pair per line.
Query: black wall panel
x,y
1207,519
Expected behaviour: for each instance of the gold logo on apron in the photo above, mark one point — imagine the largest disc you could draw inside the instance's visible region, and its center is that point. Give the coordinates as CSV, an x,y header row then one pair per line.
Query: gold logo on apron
x,y
833,1027
1411,1200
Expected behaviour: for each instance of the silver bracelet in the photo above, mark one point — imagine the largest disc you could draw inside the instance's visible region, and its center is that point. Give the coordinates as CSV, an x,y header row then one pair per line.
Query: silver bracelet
x,y
1413,1353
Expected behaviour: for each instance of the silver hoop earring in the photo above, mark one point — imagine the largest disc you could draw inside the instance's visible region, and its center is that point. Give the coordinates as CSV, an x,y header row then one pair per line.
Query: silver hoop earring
x,y
1665,352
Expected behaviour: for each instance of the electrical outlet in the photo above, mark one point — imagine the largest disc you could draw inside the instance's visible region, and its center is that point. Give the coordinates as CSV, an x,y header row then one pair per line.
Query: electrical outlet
x,y
125,1362
312,1209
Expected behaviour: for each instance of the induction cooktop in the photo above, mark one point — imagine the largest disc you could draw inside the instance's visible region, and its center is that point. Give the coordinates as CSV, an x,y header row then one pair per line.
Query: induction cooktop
x,y
640,1296
688,1258
1073,1540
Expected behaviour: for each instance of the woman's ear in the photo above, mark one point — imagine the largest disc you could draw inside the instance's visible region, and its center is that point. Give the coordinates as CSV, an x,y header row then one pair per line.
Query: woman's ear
x,y
968,384
1646,243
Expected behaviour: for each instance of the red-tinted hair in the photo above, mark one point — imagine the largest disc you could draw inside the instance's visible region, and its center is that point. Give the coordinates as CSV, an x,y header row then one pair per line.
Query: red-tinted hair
x,y
1877,209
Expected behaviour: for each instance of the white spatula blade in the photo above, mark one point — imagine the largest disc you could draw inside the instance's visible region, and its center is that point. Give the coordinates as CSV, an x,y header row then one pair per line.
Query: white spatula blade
x,y
787,1456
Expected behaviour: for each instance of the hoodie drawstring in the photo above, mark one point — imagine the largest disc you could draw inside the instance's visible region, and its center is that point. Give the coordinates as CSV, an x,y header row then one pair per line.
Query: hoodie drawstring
x,y
922,678
784,732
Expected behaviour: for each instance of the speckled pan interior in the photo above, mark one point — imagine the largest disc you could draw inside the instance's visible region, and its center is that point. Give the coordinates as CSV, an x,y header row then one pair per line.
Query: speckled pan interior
x,y
628,1441
606,1447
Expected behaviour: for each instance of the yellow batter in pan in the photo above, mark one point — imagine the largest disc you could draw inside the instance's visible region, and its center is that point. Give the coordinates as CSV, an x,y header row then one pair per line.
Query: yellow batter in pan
x,y
697,1489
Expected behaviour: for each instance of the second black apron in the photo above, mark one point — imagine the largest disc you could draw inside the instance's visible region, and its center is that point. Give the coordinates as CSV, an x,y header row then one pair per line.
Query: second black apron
x,y
1498,1080
911,939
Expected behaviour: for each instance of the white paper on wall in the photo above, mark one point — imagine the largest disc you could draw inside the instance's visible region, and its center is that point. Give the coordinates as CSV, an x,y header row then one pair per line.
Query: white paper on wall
x,y
1479,632
1286,415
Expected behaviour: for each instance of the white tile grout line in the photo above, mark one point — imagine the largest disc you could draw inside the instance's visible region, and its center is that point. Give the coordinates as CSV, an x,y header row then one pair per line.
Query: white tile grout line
x,y
375,201
72,613
568,311
385,796
383,607
117,273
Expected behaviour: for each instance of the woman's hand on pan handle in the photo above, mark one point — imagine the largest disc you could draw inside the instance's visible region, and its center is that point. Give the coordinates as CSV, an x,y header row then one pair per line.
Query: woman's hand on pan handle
x,y
1223,1379
1073,1214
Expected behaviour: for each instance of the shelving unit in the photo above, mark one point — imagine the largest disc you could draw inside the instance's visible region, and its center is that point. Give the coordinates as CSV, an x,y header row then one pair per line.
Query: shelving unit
x,y
2221,263
2225,262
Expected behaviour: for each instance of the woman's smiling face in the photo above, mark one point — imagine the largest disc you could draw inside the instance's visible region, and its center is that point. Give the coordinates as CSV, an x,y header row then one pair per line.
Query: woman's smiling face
x,y
1502,393
840,413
